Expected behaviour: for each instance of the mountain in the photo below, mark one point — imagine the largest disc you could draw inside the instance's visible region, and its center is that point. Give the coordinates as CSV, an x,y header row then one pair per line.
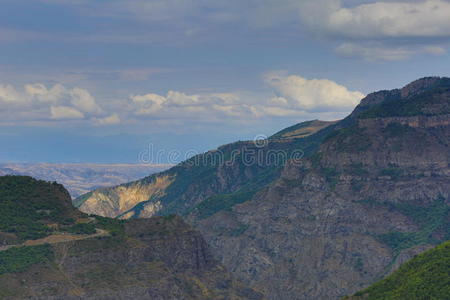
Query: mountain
x,y
301,130
314,214
82,178
49,250
426,276
236,171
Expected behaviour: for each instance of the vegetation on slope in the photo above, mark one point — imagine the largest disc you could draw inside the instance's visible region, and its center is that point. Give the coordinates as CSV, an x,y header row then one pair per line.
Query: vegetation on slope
x,y
220,202
29,207
301,130
427,276
431,219
20,259
434,101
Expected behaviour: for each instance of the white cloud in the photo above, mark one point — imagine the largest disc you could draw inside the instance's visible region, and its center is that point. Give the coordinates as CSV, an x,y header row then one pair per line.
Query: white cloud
x,y
65,113
429,18
8,94
297,96
41,92
378,30
110,120
311,94
151,103
377,51
84,101
37,102
148,103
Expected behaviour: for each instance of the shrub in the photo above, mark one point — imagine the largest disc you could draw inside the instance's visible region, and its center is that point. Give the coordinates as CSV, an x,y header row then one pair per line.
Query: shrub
x,y
20,259
83,228
426,276
114,226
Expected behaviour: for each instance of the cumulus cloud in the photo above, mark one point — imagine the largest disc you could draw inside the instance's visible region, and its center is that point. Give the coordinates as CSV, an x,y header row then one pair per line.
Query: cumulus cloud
x,y
177,103
110,120
8,94
429,18
311,94
400,29
296,96
42,93
84,101
65,112
37,102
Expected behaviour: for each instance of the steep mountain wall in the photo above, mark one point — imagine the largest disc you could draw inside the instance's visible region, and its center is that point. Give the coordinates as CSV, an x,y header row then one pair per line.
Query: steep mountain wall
x,y
332,224
370,192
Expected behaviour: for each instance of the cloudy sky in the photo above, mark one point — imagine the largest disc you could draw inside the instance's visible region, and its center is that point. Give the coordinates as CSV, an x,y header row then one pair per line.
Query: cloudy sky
x,y
100,81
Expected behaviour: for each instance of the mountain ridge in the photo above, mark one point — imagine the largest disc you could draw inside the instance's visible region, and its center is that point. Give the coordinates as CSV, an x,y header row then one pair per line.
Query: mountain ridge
x,y
367,193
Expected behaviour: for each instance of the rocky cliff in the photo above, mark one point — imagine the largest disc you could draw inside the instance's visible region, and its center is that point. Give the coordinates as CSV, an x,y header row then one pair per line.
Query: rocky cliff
x,y
156,258
367,194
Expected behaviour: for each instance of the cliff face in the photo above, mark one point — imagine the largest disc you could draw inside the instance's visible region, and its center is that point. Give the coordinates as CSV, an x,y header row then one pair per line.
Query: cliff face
x,y
370,192
156,258
369,199
123,198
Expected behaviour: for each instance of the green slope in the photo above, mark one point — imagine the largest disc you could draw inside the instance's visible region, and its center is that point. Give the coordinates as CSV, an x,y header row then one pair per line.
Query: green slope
x,y
425,277
31,208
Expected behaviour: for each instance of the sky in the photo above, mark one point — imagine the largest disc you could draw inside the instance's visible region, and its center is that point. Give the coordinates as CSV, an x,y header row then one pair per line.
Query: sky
x,y
150,80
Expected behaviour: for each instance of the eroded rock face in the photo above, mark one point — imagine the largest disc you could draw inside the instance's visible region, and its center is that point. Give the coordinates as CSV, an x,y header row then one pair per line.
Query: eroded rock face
x,y
323,229
374,193
121,199
157,258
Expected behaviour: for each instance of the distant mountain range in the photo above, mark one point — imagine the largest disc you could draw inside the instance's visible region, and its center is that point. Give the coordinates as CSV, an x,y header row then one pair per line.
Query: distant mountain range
x,y
82,178
319,210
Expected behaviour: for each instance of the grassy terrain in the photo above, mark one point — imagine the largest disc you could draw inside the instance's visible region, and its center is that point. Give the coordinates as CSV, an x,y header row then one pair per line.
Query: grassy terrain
x,y
220,202
20,259
433,218
83,228
301,130
114,226
435,101
28,206
425,277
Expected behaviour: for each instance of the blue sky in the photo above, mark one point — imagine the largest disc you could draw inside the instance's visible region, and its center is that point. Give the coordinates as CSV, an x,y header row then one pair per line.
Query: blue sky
x,y
98,81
